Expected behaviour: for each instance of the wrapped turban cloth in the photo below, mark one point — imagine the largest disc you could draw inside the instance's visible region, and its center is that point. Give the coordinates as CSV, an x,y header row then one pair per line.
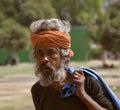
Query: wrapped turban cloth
x,y
54,38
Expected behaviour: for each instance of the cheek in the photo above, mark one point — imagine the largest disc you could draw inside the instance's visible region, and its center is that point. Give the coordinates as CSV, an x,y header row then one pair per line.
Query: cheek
x,y
39,62
56,61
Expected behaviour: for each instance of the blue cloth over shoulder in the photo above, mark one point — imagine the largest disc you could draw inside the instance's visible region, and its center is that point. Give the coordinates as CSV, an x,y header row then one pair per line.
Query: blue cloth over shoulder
x,y
69,89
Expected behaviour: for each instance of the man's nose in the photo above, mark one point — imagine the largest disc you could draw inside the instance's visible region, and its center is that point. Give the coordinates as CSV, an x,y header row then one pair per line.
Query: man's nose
x,y
45,58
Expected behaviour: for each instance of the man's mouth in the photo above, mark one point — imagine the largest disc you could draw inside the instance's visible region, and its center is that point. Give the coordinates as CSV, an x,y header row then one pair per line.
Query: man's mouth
x,y
45,69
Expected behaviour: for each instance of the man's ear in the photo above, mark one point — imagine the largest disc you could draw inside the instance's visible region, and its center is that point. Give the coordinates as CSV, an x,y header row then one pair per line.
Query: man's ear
x,y
66,59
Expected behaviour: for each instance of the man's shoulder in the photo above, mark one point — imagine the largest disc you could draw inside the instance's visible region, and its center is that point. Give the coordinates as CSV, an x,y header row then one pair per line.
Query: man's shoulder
x,y
91,81
36,87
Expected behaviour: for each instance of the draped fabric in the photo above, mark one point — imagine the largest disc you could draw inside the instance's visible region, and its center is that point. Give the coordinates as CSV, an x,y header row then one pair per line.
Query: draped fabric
x,y
67,87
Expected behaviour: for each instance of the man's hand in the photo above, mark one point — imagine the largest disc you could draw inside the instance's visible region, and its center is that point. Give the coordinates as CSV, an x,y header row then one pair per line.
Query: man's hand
x,y
79,79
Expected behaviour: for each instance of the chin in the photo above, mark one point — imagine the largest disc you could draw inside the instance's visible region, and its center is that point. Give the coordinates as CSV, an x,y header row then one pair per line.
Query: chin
x,y
46,72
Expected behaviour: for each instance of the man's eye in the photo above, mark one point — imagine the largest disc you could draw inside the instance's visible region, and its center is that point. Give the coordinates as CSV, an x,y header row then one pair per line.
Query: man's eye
x,y
51,52
39,53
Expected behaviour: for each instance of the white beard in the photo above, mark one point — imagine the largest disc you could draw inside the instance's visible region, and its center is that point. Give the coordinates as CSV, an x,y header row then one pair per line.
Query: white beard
x,y
56,75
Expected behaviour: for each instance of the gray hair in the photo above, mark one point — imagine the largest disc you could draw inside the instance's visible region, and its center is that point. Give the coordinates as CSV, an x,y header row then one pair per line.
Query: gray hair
x,y
65,55
53,24
50,24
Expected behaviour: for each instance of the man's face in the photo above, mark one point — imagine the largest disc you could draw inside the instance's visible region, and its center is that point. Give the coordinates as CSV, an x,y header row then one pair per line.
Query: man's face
x,y
49,64
47,56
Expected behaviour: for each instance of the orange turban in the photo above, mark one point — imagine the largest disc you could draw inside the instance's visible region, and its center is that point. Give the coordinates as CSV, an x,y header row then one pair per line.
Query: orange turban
x,y
54,38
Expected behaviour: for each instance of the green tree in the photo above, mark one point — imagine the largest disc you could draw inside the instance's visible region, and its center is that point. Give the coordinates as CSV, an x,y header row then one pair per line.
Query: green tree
x,y
13,36
106,31
79,12
7,7
31,10
111,34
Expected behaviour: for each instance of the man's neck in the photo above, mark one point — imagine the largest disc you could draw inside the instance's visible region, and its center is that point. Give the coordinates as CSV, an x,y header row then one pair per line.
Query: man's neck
x,y
58,85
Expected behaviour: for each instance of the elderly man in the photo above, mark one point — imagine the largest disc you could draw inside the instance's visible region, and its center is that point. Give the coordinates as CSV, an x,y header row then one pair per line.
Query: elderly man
x,y
60,88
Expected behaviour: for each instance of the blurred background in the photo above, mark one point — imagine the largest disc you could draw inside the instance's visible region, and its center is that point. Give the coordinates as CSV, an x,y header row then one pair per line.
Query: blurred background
x,y
95,35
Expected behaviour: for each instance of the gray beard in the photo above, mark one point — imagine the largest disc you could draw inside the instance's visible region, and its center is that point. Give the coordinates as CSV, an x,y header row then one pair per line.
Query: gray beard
x,y
56,75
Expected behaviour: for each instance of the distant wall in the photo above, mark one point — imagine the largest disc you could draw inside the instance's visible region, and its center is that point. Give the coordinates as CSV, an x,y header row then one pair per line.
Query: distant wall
x,y
6,54
80,46
80,43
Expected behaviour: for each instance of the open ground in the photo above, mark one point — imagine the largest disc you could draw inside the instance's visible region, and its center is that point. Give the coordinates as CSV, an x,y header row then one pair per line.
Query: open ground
x,y
16,82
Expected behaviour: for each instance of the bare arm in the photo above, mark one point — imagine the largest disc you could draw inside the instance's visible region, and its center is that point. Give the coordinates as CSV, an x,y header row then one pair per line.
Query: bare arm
x,y
91,104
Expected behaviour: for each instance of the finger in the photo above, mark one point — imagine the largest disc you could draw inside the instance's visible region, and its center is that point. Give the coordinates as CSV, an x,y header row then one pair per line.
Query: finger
x,y
75,76
77,81
80,72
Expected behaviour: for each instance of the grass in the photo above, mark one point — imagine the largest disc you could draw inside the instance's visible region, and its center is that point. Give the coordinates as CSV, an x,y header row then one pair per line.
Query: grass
x,y
117,91
22,103
9,70
7,108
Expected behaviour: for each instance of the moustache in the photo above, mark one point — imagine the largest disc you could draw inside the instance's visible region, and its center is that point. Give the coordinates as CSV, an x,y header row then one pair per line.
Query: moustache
x,y
45,65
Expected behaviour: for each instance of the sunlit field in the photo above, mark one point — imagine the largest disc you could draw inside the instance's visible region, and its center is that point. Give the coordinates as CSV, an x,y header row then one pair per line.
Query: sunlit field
x,y
16,82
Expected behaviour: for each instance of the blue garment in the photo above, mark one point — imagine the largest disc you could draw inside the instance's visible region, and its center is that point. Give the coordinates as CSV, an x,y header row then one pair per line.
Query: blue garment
x,y
69,90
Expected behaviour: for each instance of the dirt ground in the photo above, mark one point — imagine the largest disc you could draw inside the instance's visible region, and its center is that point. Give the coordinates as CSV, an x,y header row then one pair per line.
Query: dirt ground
x,y
16,90
17,87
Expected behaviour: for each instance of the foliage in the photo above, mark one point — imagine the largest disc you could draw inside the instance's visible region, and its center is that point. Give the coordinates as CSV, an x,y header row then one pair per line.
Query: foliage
x,y
29,12
106,29
99,18
13,36
111,39
97,53
79,12
111,34
7,7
